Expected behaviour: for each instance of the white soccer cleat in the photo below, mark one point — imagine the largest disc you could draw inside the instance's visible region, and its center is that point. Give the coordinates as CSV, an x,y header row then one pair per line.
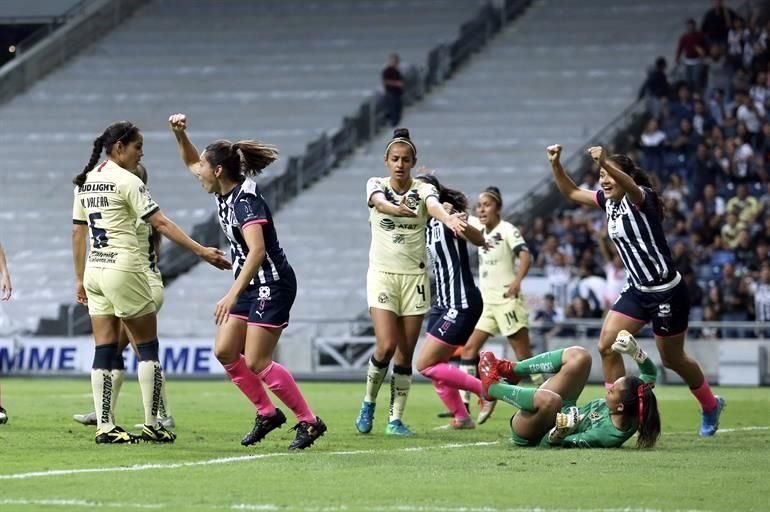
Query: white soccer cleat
x,y
486,408
625,343
3,416
167,422
85,419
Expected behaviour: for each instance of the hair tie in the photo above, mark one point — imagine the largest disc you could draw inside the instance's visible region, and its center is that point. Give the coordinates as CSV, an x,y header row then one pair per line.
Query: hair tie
x,y
640,394
495,196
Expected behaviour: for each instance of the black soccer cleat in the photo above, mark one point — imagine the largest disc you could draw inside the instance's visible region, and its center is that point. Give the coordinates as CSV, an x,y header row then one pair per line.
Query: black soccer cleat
x,y
116,436
307,433
159,434
263,425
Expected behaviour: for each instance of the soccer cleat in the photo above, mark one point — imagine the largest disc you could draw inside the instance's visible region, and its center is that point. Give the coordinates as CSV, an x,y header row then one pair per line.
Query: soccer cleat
x,y
397,428
710,420
505,371
486,407
365,418
116,436
157,434
462,424
263,425
450,414
85,419
307,433
488,373
166,421
3,416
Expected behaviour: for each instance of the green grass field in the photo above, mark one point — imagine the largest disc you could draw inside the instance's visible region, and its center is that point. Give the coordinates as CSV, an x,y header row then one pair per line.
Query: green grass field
x,y
48,462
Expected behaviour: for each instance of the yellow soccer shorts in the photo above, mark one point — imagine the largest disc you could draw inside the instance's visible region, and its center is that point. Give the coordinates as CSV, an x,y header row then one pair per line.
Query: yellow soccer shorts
x,y
505,319
156,288
118,293
403,294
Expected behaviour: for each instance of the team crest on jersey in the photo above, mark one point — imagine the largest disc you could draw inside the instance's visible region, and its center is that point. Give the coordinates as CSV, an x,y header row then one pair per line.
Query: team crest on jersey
x,y
412,200
451,315
491,242
264,296
594,416
382,298
664,309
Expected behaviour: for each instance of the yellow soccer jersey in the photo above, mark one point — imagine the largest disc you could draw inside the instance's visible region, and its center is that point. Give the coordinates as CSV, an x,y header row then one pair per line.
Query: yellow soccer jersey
x,y
496,259
398,243
110,202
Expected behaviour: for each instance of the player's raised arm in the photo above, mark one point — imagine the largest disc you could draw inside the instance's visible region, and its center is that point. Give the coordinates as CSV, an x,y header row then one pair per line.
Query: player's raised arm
x,y
566,186
187,150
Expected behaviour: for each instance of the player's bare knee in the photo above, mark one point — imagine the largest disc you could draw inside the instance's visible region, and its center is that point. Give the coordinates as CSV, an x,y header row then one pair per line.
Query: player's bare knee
x,y
578,356
547,400
225,355
257,364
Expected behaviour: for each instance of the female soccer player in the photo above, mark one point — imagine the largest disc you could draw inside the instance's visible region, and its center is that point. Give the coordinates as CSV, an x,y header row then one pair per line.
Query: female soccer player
x,y
398,290
149,249
5,294
456,309
655,291
254,312
112,283
548,415
500,281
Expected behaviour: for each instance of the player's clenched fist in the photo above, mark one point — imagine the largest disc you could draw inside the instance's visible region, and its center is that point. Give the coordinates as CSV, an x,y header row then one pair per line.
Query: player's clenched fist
x,y
553,152
178,122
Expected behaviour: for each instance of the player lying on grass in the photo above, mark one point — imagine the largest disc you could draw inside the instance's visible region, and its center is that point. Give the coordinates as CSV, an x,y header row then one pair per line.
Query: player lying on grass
x,y
548,415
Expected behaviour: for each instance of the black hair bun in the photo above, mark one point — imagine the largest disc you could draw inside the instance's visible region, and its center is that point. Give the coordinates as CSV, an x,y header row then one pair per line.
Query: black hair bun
x,y
401,133
494,190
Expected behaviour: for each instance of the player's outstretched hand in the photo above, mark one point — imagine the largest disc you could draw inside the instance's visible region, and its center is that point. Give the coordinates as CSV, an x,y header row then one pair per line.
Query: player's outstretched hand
x,y
216,257
178,122
457,222
553,152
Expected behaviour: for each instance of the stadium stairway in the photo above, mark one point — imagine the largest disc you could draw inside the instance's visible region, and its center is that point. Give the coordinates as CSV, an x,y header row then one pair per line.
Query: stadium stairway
x,y
282,71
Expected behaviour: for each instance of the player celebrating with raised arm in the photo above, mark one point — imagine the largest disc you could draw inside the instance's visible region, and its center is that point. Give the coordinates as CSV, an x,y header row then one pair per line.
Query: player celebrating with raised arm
x,y
655,290
548,415
254,312
500,281
149,247
398,289
112,283
456,309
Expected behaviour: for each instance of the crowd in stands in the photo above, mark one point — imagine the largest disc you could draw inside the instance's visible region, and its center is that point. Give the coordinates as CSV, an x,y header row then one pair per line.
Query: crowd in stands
x,y
706,146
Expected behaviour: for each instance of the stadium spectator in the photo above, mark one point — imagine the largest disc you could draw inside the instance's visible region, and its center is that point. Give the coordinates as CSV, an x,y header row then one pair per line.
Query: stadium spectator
x,y
656,293
690,52
253,313
655,87
653,141
548,315
762,298
549,416
393,85
717,22
718,75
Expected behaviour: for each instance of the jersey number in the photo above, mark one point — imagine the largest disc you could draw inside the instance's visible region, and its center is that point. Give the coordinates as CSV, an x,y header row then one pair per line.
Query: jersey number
x,y
99,235
421,291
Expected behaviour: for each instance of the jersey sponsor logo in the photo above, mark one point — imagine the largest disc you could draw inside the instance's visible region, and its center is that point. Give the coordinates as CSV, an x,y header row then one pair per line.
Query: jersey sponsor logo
x,y
387,224
96,187
107,257
399,238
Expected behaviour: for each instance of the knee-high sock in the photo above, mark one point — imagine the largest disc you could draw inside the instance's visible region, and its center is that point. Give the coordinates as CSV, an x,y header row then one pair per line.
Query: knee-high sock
x,y
517,396
547,362
164,411
250,385
451,398
117,383
705,396
283,385
101,384
150,382
400,384
468,366
453,377
375,375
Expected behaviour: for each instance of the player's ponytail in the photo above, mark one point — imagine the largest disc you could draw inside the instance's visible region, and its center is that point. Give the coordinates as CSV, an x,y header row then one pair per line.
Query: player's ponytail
x,y
80,179
494,194
255,156
640,403
244,158
446,195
